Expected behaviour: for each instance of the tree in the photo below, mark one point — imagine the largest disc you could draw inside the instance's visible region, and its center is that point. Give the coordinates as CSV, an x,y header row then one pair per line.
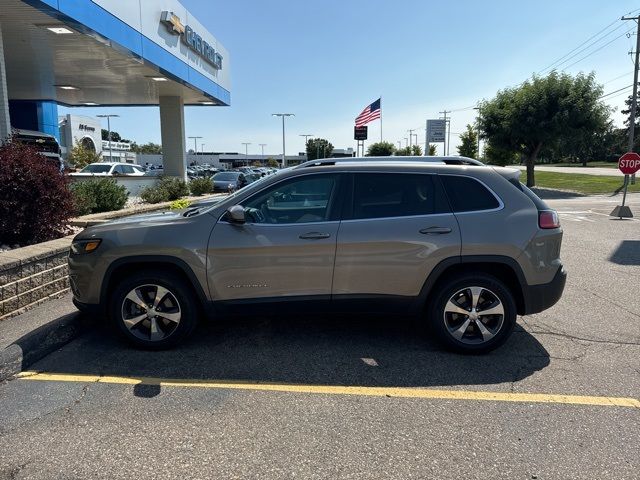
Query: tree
x,y
381,149
115,136
497,156
629,102
148,148
541,111
272,162
403,152
79,156
318,148
432,150
469,143
412,151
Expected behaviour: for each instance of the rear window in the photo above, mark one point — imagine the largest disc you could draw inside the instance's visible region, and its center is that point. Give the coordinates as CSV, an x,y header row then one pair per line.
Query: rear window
x,y
380,195
466,194
538,202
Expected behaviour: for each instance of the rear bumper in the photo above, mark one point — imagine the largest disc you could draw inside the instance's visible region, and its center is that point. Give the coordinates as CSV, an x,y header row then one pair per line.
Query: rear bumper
x,y
541,297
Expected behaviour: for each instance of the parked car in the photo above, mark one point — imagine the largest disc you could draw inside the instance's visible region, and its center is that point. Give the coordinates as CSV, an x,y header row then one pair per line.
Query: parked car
x,y
47,145
111,168
229,181
464,248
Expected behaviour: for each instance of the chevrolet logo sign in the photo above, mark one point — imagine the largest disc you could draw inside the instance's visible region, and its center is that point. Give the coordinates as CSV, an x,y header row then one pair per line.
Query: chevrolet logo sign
x,y
173,23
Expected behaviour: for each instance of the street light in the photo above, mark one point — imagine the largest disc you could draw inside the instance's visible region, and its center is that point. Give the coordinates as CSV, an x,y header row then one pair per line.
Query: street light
x,y
195,144
246,151
262,145
283,115
108,117
306,136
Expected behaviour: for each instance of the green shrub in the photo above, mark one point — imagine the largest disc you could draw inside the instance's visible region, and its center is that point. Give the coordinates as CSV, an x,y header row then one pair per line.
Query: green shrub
x,y
98,195
179,204
167,189
201,186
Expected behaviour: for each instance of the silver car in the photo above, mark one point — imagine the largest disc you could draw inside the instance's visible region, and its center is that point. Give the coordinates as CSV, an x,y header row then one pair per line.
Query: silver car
x,y
465,248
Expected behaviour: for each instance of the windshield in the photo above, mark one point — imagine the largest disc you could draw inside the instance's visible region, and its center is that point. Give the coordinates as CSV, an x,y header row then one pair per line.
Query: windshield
x,y
226,176
96,168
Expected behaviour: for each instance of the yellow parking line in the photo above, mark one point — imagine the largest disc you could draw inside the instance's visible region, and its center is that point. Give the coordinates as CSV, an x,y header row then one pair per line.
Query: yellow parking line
x,y
399,392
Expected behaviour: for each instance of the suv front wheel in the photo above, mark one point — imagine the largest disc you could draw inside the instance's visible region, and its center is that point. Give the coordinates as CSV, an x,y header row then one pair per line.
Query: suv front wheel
x,y
473,313
153,309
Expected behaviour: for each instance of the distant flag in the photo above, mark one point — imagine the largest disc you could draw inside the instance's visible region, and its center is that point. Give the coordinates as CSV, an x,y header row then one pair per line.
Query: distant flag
x,y
369,114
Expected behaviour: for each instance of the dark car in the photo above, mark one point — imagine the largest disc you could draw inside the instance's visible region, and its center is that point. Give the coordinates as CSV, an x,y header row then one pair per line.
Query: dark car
x,y
228,181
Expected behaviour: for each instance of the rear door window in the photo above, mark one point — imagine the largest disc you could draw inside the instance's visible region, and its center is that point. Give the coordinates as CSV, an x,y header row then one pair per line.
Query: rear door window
x,y
467,194
384,195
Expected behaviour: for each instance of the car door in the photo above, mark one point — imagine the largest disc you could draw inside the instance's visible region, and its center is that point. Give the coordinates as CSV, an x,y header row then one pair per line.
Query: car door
x,y
397,228
286,247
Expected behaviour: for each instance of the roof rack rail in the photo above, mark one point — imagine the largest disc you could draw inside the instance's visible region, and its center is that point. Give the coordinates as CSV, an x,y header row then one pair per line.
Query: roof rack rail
x,y
448,160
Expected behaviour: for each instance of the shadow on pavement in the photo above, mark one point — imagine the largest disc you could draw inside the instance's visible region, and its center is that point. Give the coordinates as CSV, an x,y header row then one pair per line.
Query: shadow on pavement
x,y
627,253
332,350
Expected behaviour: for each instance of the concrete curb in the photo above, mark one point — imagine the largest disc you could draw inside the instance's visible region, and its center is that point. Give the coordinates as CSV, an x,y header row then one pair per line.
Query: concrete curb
x,y
39,343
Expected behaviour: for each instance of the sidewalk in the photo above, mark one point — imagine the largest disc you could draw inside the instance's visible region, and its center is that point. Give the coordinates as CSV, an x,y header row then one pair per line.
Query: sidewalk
x,y
607,172
26,338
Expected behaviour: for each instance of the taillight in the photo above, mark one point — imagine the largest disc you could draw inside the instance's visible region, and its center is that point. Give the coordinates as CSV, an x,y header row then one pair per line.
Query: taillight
x,y
548,219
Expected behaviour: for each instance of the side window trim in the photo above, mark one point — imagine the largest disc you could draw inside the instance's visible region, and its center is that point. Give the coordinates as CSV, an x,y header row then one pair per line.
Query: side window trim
x,y
495,195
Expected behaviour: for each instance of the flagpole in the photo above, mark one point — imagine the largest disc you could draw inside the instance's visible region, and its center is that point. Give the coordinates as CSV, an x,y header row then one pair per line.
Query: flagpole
x,y
380,117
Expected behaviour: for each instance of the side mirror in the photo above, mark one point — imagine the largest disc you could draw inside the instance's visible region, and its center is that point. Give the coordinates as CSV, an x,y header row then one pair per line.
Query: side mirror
x,y
236,214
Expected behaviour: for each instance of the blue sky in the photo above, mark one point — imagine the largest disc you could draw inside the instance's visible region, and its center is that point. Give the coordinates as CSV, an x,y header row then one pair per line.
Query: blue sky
x,y
326,60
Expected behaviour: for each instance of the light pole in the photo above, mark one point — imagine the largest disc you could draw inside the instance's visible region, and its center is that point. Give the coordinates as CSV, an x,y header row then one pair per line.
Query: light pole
x,y
195,144
406,142
399,145
283,115
411,135
306,136
262,145
246,151
108,117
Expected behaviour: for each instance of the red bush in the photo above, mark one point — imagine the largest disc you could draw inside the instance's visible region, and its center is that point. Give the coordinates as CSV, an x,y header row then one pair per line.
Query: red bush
x,y
35,201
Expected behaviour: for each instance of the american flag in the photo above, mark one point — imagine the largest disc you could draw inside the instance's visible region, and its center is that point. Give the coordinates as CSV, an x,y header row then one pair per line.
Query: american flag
x,y
369,114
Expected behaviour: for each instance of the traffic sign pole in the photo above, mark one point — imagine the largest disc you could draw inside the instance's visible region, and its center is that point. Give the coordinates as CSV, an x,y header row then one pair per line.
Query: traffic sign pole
x,y
629,163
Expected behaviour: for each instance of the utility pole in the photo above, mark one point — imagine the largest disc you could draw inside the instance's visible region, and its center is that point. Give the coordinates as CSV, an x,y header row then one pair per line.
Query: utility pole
x,y
477,109
634,101
283,115
446,143
622,211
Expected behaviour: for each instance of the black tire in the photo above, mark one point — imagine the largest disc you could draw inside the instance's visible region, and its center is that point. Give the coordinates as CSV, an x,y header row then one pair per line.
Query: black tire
x,y
442,323
180,298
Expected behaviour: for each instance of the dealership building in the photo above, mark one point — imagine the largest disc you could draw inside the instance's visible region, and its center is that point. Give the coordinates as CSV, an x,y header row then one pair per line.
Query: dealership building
x,y
107,53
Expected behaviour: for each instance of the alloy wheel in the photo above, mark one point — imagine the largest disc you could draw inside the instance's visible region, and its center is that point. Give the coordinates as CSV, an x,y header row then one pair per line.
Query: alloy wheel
x,y
151,312
474,315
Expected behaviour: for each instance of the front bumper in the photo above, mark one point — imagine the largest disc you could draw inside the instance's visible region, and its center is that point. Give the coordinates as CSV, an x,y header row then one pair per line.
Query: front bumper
x,y
541,297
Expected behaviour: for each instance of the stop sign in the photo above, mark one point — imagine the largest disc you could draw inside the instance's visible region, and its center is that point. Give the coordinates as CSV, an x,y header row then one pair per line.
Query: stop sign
x,y
629,163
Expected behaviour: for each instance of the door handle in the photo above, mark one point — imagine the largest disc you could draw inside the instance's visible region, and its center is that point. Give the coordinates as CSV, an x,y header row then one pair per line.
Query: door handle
x,y
435,230
314,236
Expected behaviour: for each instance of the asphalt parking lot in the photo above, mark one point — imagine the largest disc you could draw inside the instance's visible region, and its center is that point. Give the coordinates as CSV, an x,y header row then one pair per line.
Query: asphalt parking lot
x,y
343,397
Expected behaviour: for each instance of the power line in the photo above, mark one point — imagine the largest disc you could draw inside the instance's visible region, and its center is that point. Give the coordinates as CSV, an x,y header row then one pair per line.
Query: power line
x,y
564,58
616,91
598,49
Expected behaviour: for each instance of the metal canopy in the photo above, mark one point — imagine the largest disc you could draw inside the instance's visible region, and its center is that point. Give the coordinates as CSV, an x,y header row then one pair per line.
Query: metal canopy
x,y
39,62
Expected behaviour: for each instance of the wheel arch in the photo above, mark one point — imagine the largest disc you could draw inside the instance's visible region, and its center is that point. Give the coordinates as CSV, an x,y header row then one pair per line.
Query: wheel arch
x,y
124,266
505,269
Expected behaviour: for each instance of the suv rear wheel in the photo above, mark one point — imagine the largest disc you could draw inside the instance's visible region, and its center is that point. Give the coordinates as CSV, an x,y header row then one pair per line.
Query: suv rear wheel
x,y
153,310
473,313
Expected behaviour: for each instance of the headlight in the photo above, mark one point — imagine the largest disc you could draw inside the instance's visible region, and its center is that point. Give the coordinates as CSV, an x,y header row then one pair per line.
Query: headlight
x,y
79,247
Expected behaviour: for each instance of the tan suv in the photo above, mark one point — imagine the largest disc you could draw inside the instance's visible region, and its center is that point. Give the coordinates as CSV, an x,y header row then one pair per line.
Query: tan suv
x,y
465,247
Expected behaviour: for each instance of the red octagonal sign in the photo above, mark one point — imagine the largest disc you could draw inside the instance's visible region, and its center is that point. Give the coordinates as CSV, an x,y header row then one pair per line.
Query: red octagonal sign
x,y
629,163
